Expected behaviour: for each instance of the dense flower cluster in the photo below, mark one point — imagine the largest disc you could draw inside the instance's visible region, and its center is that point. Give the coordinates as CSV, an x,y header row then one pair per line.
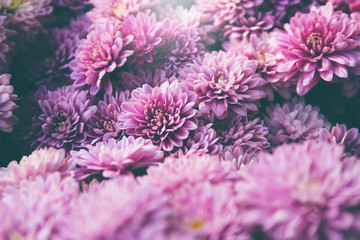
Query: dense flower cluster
x,y
167,120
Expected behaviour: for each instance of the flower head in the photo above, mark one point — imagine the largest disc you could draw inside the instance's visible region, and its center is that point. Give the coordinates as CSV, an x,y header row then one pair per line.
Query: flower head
x,y
64,113
104,124
119,208
339,134
302,191
293,122
224,82
34,209
7,104
147,34
162,114
100,53
40,163
319,44
113,158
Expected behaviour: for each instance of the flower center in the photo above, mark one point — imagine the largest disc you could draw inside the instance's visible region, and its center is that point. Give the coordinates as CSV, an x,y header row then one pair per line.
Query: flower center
x,y
315,42
159,119
221,79
108,125
61,122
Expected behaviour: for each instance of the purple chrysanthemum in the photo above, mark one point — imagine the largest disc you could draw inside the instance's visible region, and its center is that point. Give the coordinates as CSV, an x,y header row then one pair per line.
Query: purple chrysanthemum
x,y
23,15
104,124
339,134
75,5
319,44
41,163
147,34
182,44
7,104
203,140
5,47
34,208
162,114
135,79
239,156
113,158
212,214
64,113
190,169
302,191
224,82
293,122
100,53
116,10
118,209
260,49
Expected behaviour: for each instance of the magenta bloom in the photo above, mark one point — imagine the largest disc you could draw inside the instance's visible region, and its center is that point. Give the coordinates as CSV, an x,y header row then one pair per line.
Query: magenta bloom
x,y
190,169
339,134
104,124
64,113
118,209
162,114
40,162
7,104
147,34
34,209
224,82
319,44
113,158
294,122
101,52
316,196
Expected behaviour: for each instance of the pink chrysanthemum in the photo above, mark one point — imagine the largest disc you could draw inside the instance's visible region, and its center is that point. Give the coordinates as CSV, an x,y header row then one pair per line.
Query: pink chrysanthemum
x,y
116,10
113,158
7,104
319,44
147,34
41,163
302,191
294,122
224,82
212,214
163,114
104,124
339,134
190,169
100,53
118,209
260,49
34,209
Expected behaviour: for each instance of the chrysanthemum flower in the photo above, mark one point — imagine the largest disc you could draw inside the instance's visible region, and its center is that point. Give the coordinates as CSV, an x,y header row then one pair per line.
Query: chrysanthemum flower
x,y
113,158
104,124
64,113
259,48
182,44
118,209
147,34
162,114
34,209
190,169
75,5
203,140
212,214
293,122
339,134
319,44
100,53
116,10
5,47
7,104
302,191
22,15
41,163
224,82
